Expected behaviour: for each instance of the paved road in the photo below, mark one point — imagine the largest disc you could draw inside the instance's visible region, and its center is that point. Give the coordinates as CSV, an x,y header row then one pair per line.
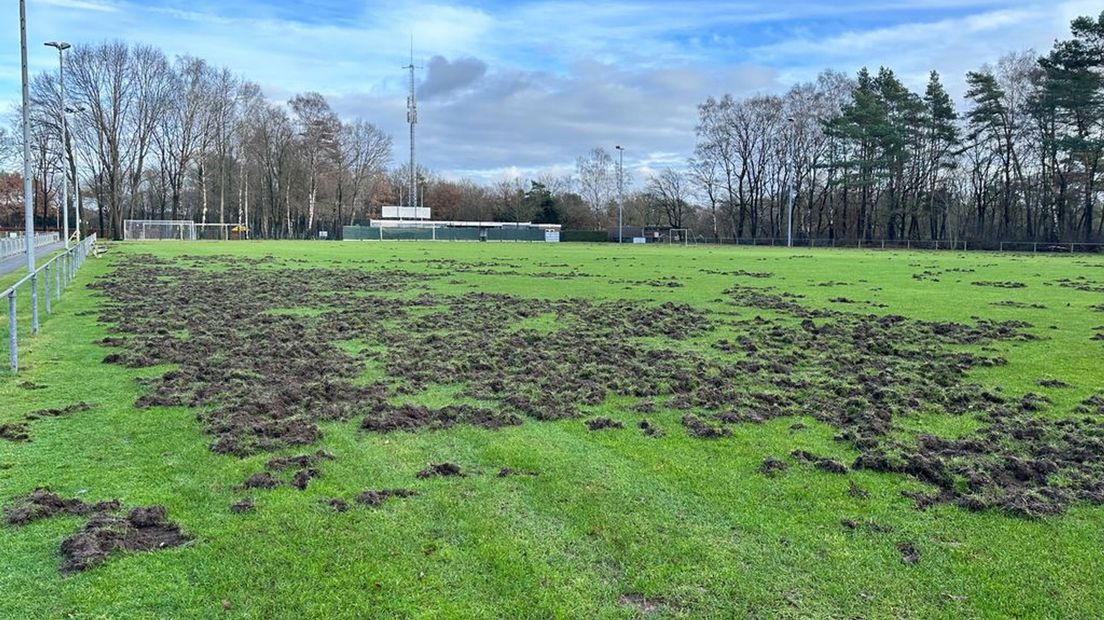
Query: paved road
x,y
19,261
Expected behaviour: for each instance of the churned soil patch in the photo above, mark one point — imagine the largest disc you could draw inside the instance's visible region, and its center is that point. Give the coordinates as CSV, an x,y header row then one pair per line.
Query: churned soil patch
x,y
440,469
103,533
375,499
263,380
597,424
42,504
143,529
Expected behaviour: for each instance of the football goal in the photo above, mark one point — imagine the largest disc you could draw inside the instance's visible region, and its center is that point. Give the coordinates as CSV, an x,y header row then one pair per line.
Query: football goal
x,y
148,230
679,235
213,232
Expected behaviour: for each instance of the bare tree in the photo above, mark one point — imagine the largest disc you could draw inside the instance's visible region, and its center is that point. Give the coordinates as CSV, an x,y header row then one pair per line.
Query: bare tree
x,y
363,156
668,190
597,181
318,128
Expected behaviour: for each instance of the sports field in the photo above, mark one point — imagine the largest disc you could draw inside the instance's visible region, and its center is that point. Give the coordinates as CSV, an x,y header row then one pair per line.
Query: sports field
x,y
458,430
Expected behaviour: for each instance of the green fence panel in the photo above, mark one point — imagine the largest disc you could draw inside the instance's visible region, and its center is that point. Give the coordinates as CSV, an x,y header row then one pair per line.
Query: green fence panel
x,y
590,236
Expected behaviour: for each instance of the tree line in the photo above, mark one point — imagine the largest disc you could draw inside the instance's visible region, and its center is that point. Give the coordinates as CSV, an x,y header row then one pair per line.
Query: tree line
x,y
151,138
856,157
865,157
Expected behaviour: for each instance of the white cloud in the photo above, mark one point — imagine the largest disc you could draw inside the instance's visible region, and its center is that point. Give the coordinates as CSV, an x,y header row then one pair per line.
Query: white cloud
x,y
525,87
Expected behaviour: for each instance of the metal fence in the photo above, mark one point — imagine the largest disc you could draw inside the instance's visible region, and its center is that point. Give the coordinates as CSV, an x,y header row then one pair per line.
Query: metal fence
x,y
10,246
913,244
52,278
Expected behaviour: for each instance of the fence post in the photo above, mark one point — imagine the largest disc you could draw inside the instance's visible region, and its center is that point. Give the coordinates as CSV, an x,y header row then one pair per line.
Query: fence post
x,y
46,287
34,303
13,339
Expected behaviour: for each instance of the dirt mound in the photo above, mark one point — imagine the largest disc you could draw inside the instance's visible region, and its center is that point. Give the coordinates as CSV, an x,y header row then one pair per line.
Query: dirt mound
x,y
14,431
376,499
242,506
1005,284
909,553
338,504
303,477
143,529
772,466
822,463
440,469
260,480
43,504
597,424
280,463
390,418
59,412
650,430
697,428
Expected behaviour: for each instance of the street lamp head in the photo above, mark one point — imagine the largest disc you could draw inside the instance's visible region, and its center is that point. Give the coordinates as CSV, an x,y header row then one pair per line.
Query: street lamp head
x,y
75,110
619,147
60,45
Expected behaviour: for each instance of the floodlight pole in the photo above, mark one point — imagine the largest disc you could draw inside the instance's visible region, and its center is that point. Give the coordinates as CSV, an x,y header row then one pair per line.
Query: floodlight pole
x,y
793,184
28,188
71,162
620,192
61,46
412,119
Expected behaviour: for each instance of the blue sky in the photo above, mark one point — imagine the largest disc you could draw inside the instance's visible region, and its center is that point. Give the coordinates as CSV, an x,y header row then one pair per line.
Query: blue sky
x,y
524,87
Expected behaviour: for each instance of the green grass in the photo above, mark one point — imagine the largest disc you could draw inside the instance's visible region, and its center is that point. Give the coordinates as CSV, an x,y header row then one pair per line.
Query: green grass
x,y
685,521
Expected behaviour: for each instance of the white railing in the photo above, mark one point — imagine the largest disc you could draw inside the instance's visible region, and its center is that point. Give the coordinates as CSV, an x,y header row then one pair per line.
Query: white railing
x,y
10,246
52,277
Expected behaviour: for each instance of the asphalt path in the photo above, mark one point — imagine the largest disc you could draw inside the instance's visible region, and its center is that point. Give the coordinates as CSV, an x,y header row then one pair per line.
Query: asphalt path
x,y
19,261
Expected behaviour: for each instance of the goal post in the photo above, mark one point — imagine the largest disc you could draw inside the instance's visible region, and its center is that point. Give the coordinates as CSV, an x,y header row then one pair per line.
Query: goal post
x,y
212,232
159,230
679,235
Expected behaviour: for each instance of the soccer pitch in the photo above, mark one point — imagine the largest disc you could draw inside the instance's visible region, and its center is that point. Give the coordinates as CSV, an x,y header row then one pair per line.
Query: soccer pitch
x,y
558,430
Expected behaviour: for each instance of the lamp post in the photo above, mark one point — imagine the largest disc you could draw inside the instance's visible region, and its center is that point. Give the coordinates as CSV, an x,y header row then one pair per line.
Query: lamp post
x,y
71,162
793,185
28,196
620,192
61,46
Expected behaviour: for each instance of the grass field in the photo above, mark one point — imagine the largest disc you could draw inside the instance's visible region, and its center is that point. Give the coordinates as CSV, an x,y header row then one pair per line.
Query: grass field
x,y
609,523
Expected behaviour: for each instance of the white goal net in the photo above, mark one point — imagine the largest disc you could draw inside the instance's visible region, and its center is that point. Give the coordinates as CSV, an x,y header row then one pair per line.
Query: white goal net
x,y
212,232
680,235
147,230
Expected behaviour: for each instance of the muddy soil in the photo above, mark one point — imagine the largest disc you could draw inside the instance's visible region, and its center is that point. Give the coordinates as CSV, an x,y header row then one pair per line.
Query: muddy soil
x,y
597,424
43,504
103,533
376,499
440,469
772,466
143,529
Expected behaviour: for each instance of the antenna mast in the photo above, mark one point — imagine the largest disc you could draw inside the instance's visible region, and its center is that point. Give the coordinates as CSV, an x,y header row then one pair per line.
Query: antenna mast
x,y
412,119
